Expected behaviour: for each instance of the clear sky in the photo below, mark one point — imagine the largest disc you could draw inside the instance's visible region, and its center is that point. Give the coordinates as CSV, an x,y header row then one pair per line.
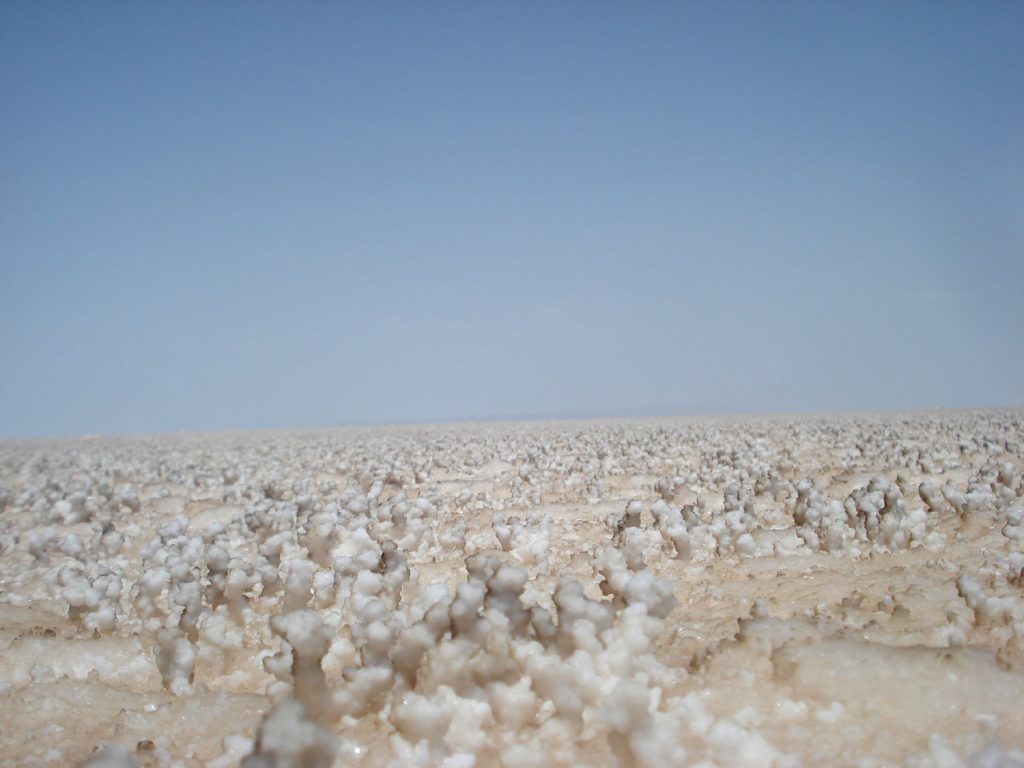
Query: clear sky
x,y
231,215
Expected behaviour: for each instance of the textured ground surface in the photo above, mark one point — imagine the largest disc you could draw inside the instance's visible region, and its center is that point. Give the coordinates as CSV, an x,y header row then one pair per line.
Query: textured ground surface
x,y
843,590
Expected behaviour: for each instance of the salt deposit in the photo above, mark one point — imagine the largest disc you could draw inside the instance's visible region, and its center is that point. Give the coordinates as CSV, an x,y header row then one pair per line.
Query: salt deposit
x,y
840,590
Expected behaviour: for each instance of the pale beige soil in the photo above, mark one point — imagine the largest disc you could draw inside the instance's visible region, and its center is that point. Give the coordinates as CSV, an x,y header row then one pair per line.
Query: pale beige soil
x,y
865,656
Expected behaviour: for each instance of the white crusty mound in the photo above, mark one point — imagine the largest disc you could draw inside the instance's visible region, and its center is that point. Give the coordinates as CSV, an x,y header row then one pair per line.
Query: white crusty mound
x,y
842,590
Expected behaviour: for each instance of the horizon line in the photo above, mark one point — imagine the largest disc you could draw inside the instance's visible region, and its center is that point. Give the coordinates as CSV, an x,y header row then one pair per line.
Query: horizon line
x,y
525,419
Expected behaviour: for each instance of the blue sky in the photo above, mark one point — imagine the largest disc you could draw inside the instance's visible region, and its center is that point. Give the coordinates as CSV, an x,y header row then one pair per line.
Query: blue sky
x,y
234,215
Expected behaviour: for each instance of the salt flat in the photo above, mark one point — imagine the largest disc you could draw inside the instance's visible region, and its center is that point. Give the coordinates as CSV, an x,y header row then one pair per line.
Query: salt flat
x,y
777,591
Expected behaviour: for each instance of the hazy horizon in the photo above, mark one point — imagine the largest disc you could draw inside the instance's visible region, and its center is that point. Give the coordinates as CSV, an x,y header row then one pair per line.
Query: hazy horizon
x,y
583,419
239,217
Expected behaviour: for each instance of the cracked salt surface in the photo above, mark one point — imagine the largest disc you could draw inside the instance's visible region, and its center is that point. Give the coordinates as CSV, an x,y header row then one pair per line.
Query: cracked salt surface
x,y
841,590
